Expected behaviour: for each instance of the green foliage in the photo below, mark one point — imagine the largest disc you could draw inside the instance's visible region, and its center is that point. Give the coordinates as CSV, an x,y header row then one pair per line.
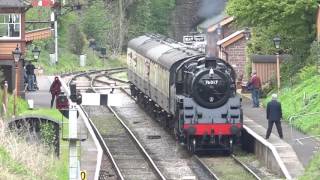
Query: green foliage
x,y
312,172
141,10
150,16
307,72
302,100
13,166
22,105
294,21
96,22
314,57
47,134
76,39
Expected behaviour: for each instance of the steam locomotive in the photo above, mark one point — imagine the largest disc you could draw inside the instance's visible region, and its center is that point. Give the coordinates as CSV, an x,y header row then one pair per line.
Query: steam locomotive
x,y
186,91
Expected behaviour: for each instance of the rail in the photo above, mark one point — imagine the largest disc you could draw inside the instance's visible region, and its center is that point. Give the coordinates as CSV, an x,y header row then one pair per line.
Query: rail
x,y
144,152
245,167
205,167
152,163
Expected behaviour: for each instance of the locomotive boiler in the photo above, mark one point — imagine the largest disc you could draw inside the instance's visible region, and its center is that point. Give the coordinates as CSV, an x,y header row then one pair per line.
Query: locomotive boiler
x,y
186,91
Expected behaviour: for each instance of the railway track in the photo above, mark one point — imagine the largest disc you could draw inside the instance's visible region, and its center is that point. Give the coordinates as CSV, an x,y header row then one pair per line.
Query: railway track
x,y
127,155
167,159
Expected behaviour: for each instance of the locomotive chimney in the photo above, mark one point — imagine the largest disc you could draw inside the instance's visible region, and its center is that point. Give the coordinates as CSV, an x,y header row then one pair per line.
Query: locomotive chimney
x,y
212,47
210,62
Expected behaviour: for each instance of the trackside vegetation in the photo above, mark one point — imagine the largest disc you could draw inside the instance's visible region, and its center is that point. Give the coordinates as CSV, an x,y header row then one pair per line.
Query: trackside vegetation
x,y
17,157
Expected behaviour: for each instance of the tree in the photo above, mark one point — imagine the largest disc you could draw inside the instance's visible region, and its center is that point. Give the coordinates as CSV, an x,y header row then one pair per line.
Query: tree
x,y
96,22
293,20
76,39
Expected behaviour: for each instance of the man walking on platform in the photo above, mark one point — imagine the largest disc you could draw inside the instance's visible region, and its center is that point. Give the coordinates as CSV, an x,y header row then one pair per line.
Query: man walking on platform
x,y
256,87
274,115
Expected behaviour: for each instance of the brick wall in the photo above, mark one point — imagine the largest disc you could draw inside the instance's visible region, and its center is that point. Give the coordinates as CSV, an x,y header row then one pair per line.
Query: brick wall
x,y
228,29
236,56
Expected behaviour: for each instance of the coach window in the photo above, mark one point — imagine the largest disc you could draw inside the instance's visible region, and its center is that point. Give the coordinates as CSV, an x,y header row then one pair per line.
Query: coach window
x,y
10,26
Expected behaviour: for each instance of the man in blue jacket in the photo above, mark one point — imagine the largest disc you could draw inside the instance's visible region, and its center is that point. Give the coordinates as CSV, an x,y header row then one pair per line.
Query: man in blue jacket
x,y
274,115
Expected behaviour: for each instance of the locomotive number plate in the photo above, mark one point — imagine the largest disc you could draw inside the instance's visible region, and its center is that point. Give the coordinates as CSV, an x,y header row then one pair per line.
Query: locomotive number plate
x,y
211,81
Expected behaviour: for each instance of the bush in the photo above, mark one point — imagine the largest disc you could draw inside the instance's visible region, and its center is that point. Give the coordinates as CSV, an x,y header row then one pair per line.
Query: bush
x,y
76,39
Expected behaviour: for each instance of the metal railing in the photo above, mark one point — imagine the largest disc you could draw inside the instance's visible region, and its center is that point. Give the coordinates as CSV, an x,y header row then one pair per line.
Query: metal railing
x,y
292,118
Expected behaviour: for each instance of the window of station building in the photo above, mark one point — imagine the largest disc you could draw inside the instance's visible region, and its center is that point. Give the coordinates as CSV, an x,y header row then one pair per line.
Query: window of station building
x,y
10,26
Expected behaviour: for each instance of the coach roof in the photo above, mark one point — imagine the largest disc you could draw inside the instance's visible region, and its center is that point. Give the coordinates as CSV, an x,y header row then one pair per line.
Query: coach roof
x,y
164,51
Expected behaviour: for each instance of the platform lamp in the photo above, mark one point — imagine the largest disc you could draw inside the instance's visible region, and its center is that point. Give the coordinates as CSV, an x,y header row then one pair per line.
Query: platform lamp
x,y
36,53
16,56
277,42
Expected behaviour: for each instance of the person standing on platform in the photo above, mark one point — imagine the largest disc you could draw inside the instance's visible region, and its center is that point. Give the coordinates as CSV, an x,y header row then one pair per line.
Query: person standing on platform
x,y
30,76
256,87
274,115
55,89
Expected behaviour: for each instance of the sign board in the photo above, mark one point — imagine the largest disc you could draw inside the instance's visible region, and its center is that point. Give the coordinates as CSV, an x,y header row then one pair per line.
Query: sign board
x,y
94,99
83,175
191,39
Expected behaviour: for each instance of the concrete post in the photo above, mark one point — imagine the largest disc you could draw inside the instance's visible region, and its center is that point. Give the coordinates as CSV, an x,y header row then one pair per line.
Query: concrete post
x,y
73,137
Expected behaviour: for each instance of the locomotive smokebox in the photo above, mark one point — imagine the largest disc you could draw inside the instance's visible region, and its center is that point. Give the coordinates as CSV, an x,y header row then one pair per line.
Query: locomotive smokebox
x,y
210,62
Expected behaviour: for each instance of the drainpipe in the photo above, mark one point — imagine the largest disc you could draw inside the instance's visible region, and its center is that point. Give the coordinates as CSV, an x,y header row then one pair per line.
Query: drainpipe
x,y
225,53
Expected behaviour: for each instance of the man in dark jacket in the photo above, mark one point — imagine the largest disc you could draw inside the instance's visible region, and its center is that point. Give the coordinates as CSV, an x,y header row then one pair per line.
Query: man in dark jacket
x,y
30,76
274,115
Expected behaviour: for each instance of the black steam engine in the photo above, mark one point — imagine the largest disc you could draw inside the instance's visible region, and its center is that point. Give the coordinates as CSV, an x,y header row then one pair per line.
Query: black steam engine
x,y
192,94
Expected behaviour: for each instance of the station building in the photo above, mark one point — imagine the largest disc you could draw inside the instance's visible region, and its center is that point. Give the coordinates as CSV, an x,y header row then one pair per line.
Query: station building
x,y
12,36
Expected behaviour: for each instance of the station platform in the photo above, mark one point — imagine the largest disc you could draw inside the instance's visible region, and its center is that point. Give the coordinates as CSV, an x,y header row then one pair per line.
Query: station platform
x,y
295,149
88,154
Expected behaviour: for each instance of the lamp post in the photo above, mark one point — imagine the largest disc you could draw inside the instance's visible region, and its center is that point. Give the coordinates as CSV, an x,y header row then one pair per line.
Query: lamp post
x,y
36,53
277,42
16,56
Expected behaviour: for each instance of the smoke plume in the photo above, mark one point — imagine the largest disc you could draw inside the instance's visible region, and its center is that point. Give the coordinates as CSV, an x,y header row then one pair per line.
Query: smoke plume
x,y
209,8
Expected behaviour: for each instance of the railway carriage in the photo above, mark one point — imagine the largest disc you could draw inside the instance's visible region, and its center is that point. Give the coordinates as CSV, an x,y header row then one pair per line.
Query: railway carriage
x,y
192,94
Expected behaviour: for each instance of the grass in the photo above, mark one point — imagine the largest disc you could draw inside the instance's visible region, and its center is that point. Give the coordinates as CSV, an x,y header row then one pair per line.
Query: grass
x,y
313,170
21,106
52,113
24,160
302,101
12,168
